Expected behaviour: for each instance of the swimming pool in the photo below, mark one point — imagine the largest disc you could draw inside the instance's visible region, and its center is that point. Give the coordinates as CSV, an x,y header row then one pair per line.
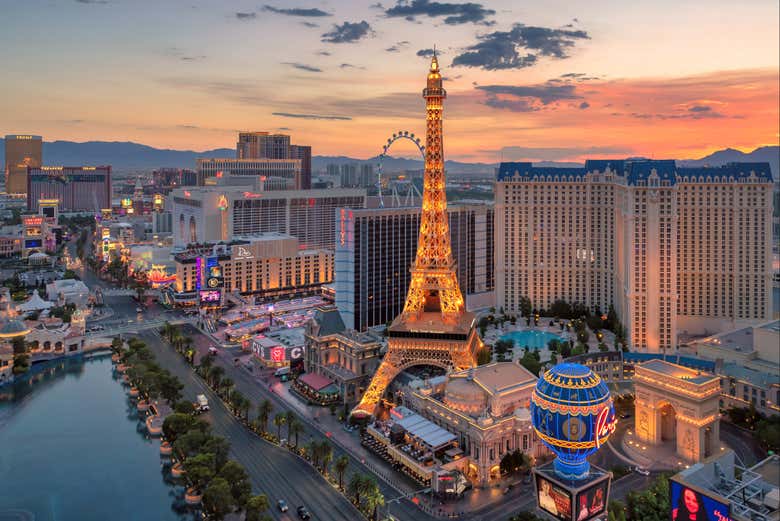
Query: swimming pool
x,y
532,339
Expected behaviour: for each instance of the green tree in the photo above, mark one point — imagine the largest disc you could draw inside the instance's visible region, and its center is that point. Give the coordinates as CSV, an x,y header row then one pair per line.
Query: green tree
x,y
217,499
279,420
372,497
21,363
526,308
200,470
651,504
219,447
255,507
327,455
530,361
264,410
484,356
237,477
357,486
294,428
340,466
177,424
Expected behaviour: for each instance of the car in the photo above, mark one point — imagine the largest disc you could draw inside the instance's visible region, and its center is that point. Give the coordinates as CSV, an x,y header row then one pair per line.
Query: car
x,y
624,416
213,350
642,471
303,513
202,405
282,505
526,479
139,310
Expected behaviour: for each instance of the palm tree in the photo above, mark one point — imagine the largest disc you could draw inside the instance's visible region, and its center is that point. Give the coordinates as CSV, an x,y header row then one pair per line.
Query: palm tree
x,y
294,428
290,417
279,420
215,376
166,329
357,486
373,496
246,404
342,462
263,412
205,365
327,456
227,385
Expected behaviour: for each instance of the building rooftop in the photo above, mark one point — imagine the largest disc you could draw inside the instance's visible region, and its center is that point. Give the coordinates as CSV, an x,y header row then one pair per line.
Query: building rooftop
x,y
754,376
424,430
638,170
752,492
678,372
499,377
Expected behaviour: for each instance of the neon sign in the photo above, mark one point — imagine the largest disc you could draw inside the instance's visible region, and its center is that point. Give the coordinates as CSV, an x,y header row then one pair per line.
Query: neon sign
x,y
222,203
604,425
277,354
243,253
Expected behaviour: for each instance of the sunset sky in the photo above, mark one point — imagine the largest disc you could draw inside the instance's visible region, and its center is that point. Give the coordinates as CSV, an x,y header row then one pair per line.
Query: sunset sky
x,y
551,80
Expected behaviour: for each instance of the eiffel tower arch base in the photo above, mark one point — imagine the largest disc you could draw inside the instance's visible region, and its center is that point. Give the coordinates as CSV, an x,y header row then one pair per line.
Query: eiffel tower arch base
x,y
403,353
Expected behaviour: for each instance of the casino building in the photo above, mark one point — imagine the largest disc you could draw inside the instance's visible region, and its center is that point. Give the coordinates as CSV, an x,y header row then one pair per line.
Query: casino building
x,y
266,265
487,408
220,212
675,250
77,188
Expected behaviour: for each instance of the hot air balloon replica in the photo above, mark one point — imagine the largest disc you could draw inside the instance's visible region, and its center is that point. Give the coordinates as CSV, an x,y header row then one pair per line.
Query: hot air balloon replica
x,y
573,414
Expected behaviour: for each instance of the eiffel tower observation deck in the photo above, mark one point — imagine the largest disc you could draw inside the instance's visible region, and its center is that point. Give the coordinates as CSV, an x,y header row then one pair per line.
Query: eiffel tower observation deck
x,y
434,327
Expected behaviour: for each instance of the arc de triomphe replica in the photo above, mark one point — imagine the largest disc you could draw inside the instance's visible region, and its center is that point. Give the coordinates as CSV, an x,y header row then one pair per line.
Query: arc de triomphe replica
x,y
675,403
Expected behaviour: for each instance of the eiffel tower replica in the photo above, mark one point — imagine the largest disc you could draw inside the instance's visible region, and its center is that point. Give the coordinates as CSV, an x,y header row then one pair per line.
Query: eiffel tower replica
x,y
434,327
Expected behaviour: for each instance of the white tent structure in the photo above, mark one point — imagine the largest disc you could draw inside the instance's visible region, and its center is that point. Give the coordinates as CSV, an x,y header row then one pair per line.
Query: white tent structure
x,y
34,303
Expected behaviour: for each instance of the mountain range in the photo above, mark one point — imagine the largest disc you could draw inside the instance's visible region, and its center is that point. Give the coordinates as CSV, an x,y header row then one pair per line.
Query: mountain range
x,y
128,157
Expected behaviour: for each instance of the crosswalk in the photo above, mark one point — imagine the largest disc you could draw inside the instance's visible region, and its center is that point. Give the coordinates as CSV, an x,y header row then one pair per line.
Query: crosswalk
x,y
132,327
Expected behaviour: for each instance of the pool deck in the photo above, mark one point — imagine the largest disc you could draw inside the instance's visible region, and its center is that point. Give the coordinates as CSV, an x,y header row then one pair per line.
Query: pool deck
x,y
493,334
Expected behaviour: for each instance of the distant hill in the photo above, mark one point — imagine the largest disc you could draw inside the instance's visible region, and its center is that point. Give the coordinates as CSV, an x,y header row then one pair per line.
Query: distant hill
x,y
769,155
123,156
131,157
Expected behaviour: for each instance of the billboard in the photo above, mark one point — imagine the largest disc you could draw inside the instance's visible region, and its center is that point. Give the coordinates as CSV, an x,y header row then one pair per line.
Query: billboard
x,y
591,502
553,499
276,353
208,297
32,243
689,504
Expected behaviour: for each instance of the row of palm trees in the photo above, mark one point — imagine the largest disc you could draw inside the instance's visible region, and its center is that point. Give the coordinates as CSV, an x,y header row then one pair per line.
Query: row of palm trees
x,y
222,484
181,342
362,489
365,493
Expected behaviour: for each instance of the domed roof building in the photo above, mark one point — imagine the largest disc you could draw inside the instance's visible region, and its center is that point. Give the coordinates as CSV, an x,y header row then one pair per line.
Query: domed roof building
x,y
466,396
11,328
487,408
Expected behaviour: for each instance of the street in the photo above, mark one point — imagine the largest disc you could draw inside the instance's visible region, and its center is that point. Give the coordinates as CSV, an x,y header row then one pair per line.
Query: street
x,y
273,471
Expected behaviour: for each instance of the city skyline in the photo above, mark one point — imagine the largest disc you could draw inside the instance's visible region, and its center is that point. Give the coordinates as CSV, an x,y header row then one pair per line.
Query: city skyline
x,y
558,83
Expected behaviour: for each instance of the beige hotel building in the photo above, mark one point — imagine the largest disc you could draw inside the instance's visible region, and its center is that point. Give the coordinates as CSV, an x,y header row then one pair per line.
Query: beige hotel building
x,y
677,251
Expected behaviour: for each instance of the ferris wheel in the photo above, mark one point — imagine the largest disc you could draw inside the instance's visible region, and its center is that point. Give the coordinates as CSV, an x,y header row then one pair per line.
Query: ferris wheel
x,y
402,192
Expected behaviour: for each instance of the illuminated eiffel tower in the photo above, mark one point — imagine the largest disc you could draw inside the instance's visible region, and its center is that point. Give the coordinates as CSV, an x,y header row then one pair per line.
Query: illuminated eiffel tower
x,y
434,328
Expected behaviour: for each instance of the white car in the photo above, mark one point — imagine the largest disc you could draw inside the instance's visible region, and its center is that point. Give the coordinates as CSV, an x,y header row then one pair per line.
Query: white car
x,y
642,471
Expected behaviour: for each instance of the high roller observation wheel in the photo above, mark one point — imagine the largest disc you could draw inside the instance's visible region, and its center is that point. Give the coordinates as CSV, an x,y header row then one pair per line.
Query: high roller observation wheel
x,y
401,134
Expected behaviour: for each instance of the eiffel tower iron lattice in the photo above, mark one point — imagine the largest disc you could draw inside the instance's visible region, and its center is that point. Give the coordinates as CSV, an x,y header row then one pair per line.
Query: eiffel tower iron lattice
x,y
434,327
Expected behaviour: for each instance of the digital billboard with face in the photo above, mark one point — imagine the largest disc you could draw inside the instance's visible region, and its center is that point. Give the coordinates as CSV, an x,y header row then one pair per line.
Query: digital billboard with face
x,y
553,499
688,504
591,502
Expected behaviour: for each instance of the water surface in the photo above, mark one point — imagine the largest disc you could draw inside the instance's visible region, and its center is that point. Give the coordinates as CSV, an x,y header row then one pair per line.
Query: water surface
x,y
73,449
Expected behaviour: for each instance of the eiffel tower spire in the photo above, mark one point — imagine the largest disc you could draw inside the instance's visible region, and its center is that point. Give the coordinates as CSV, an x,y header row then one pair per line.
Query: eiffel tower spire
x,y
434,328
